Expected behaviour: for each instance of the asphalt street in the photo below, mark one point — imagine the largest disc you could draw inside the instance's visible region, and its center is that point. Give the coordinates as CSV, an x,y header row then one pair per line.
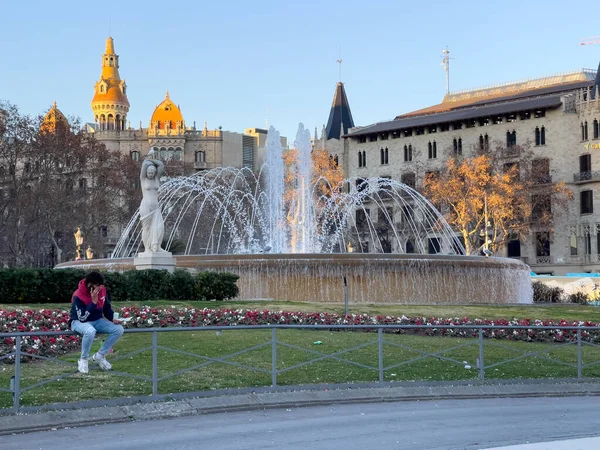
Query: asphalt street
x,y
443,424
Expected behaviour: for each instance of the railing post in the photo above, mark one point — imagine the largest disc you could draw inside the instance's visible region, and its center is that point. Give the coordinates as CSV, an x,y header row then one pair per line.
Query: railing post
x,y
274,357
579,358
17,389
380,346
481,364
154,363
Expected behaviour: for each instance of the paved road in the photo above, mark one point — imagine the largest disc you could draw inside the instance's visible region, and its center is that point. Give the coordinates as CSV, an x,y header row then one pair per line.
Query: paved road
x,y
445,424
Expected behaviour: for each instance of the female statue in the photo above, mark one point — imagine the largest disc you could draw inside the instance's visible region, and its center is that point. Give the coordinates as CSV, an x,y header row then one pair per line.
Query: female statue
x,y
153,226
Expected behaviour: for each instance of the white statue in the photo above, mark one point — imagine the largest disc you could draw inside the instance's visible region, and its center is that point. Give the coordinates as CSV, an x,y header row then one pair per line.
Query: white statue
x,y
153,226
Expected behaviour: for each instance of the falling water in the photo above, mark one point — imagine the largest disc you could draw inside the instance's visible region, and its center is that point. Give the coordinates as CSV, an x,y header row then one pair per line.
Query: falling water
x,y
235,211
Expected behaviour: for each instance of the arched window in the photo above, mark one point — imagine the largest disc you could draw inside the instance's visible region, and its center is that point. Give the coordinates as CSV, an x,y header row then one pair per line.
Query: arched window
x,y
336,160
409,247
178,155
481,142
360,161
511,139
405,152
543,136
410,152
163,153
429,150
434,149
596,130
135,155
382,155
486,142
460,146
200,156
387,160
364,158
584,131
537,136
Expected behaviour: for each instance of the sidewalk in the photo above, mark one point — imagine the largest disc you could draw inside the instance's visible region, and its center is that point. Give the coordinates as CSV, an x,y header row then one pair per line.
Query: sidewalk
x,y
285,398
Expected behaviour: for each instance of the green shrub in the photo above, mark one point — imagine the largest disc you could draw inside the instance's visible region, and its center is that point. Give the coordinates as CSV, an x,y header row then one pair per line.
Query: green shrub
x,y
547,294
57,286
216,286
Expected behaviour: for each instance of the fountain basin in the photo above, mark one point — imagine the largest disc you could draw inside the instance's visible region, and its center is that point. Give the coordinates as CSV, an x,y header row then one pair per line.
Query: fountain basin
x,y
371,278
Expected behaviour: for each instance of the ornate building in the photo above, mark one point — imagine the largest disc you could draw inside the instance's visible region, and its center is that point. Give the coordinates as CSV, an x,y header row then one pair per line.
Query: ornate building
x,y
557,116
167,133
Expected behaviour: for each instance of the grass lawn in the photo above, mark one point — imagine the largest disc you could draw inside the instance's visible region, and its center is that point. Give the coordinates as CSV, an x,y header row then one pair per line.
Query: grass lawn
x,y
73,386
534,311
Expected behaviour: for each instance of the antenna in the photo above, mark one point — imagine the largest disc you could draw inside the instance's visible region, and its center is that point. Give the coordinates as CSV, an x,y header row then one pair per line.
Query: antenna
x,y
446,65
339,61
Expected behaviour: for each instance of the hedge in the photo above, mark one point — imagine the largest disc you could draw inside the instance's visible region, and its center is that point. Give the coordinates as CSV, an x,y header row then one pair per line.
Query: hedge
x,y
57,286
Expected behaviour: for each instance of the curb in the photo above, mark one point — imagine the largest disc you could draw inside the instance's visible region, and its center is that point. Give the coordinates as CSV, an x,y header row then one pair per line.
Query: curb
x,y
311,396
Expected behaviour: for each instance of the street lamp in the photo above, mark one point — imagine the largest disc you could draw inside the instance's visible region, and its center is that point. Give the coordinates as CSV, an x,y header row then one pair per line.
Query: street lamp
x,y
79,242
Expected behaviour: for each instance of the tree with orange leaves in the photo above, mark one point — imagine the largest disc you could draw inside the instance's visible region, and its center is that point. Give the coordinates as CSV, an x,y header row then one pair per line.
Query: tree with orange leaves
x,y
509,186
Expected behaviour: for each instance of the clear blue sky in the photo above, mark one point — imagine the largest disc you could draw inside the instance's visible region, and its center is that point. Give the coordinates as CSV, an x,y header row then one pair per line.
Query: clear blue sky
x,y
235,63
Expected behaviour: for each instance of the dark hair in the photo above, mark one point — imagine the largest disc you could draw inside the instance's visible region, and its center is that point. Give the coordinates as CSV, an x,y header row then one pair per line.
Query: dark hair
x,y
94,278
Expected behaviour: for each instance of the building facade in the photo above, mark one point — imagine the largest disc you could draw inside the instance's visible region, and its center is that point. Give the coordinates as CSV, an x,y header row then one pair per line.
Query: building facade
x,y
557,116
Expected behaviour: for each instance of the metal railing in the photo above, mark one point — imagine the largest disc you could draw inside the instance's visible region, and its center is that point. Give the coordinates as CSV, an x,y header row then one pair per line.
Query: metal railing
x,y
477,339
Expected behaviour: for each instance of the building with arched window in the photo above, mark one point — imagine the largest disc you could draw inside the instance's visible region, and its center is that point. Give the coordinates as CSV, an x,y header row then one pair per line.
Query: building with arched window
x,y
555,117
167,134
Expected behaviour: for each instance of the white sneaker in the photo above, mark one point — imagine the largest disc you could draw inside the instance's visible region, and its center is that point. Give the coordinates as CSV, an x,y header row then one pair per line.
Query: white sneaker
x,y
102,362
82,366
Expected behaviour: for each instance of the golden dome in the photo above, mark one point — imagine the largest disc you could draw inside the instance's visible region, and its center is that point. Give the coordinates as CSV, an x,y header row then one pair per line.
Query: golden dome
x,y
110,91
166,112
54,120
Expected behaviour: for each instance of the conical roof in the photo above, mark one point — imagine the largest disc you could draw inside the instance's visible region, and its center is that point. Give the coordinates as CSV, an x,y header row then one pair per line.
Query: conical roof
x,y
340,114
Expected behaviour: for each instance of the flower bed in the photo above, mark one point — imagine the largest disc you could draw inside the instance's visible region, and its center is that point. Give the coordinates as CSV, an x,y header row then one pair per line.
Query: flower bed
x,y
145,317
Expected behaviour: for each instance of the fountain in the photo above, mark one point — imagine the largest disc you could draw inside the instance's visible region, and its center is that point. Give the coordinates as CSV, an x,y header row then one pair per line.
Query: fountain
x,y
289,234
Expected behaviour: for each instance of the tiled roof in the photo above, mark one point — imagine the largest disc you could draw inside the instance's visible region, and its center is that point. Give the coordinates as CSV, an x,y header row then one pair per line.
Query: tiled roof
x,y
340,114
472,112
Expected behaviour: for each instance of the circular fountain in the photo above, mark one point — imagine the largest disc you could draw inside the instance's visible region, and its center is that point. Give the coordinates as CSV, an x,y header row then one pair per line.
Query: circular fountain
x,y
290,235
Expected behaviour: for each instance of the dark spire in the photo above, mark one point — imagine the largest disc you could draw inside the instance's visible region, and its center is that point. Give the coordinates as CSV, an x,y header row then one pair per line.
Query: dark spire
x,y
340,115
596,82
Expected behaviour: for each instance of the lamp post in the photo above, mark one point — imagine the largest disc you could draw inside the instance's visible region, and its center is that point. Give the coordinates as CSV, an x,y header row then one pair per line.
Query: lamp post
x,y
79,242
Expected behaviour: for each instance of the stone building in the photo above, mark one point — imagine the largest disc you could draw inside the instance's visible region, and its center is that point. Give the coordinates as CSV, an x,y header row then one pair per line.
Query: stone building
x,y
558,115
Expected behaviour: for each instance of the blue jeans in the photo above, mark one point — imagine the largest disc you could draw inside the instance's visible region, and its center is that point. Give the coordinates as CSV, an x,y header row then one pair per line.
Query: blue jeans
x,y
88,331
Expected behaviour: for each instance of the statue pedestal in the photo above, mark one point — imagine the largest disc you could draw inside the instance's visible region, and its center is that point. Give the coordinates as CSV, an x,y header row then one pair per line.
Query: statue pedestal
x,y
154,260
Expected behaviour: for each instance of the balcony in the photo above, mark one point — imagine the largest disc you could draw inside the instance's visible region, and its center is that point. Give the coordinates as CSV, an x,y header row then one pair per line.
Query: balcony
x,y
542,179
544,259
200,165
586,177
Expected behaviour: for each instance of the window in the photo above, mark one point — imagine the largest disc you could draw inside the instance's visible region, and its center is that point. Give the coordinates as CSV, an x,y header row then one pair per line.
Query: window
x,y
336,160
525,116
586,202
135,155
364,158
385,136
445,127
541,206
430,150
360,163
540,171
481,142
511,139
82,183
420,131
542,247
27,167
408,179
512,168
584,131
573,244
513,248
362,219
361,185
384,156
539,140
457,146
372,138
103,231
200,156
596,130
432,129
409,247
362,139
408,153
585,167
434,246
